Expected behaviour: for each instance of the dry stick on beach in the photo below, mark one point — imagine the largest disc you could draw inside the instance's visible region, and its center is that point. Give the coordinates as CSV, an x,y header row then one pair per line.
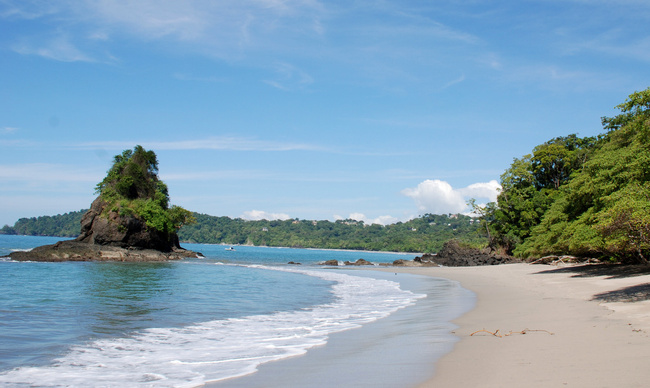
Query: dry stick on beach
x,y
497,334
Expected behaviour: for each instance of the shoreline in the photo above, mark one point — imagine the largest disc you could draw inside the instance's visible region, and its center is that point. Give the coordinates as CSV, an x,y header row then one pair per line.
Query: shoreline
x,y
308,248
394,351
570,327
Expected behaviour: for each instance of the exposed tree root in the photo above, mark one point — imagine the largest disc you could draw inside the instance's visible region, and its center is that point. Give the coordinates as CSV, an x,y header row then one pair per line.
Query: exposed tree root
x,y
498,334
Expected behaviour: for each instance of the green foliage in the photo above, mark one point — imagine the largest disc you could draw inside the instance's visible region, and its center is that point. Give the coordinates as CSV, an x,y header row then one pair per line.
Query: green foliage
x,y
7,230
132,188
585,197
60,225
423,234
134,174
625,222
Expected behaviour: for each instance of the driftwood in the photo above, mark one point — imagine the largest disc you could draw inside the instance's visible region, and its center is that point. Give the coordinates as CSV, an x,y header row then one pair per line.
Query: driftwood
x,y
565,259
498,334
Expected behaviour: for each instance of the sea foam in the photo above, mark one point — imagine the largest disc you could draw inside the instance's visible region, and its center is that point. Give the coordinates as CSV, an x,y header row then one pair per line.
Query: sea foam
x,y
219,349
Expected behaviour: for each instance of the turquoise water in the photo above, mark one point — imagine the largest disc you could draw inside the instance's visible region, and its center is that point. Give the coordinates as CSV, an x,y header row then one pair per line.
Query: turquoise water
x,y
178,323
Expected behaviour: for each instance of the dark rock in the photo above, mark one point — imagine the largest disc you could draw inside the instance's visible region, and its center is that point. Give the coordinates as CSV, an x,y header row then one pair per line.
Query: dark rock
x,y
331,262
78,251
358,262
122,231
293,263
417,262
453,254
111,238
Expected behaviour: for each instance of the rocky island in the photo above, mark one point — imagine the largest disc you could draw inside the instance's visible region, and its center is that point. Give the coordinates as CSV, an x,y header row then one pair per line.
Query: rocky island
x,y
130,220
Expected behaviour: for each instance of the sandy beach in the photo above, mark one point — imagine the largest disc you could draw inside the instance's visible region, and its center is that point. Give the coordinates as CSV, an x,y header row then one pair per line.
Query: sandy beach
x,y
579,329
570,326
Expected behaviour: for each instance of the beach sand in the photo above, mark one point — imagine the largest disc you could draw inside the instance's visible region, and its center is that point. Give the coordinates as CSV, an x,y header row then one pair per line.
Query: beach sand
x,y
598,339
580,332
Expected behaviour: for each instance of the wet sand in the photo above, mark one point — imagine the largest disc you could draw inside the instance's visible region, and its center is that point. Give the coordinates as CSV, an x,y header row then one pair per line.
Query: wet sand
x,y
396,351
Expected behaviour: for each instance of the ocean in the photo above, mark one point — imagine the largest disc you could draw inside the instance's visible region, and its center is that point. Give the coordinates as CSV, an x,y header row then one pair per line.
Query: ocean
x,y
213,319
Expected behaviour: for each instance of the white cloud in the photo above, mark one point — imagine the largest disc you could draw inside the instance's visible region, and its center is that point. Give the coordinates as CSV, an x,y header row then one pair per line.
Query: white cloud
x,y
59,49
256,215
212,143
289,77
381,220
35,173
488,190
8,129
454,82
439,197
436,196
222,28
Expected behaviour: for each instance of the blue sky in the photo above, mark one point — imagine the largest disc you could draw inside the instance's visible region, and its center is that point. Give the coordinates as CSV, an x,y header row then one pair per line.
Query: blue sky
x,y
309,109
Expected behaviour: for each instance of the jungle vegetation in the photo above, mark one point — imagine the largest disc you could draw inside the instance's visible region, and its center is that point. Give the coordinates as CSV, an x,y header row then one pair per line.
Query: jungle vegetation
x,y
424,234
132,188
587,197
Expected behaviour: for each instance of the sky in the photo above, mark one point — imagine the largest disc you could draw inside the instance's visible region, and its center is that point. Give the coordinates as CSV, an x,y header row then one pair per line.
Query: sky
x,y
379,111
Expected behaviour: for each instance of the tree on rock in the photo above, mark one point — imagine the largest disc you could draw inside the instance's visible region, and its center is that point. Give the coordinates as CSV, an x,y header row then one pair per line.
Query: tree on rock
x,y
132,209
134,175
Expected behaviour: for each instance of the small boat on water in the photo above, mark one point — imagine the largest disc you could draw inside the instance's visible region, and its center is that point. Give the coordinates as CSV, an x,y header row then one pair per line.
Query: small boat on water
x,y
230,249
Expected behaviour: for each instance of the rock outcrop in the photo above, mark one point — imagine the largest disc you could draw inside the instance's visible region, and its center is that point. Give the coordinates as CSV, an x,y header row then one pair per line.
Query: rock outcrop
x,y
358,262
110,238
453,254
72,250
134,224
102,227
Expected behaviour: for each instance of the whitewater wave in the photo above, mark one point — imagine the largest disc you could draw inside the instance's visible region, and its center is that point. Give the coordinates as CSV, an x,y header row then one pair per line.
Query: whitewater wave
x,y
220,349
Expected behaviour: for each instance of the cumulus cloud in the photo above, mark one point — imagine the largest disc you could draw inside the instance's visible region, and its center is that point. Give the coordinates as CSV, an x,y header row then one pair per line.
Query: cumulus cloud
x,y
256,215
381,220
439,197
488,190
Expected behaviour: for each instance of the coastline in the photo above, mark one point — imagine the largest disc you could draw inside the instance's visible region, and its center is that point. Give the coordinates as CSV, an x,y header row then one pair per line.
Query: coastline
x,y
395,351
602,342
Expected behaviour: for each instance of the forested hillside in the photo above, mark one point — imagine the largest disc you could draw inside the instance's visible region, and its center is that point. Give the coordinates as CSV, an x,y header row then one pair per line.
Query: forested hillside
x,y
60,225
423,234
581,196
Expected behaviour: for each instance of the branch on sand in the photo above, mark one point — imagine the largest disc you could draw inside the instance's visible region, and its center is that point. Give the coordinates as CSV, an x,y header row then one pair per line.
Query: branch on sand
x,y
498,334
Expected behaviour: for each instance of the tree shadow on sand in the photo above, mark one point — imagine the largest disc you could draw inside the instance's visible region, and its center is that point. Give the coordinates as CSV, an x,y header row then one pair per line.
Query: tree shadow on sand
x,y
628,294
610,271
634,293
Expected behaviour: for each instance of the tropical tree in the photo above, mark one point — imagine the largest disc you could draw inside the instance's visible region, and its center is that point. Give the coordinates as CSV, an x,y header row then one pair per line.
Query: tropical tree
x,y
132,187
602,209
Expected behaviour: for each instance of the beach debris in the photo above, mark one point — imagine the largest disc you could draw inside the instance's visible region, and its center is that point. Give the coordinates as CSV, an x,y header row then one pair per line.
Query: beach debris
x,y
497,333
564,259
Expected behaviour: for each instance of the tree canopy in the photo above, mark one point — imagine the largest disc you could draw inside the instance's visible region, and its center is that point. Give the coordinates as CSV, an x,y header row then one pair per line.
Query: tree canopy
x,y
582,196
132,187
426,233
